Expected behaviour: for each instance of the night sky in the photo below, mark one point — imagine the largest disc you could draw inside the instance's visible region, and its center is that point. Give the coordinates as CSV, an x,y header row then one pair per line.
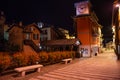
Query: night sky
x,y
53,12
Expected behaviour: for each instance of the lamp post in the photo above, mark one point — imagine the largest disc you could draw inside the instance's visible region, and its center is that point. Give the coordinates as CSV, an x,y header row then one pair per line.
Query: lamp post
x,y
116,23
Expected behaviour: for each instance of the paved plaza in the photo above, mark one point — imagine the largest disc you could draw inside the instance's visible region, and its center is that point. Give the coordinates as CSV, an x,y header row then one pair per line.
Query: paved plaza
x,y
102,67
105,66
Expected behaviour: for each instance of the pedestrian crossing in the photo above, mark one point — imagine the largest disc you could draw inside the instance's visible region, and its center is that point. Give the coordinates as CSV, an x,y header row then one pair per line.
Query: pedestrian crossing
x,y
89,69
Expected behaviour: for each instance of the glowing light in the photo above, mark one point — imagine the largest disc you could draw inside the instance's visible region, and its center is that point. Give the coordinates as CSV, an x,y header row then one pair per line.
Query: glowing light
x,y
117,5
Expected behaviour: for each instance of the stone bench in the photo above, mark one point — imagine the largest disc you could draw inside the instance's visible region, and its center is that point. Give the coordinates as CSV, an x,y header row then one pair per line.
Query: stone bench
x,y
23,70
66,61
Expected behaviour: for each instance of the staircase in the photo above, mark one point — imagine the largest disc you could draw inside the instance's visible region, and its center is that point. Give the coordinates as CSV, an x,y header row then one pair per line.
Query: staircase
x,y
32,44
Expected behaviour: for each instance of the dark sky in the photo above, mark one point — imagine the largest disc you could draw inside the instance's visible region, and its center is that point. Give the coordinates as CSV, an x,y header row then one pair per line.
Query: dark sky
x,y
54,12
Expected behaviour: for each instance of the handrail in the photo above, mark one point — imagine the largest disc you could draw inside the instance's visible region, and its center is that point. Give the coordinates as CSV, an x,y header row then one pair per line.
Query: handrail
x,y
32,44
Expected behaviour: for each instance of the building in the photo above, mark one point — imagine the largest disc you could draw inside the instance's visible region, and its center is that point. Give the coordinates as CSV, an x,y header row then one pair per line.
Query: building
x,y
62,45
116,26
57,39
66,32
6,27
51,33
20,35
87,28
15,37
32,36
2,24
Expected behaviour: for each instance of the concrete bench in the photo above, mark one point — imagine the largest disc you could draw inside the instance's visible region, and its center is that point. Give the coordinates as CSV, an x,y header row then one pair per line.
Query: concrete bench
x,y
23,70
66,61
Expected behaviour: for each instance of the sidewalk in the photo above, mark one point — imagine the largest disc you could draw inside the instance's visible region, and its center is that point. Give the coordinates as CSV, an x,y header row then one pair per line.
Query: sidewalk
x,y
104,66
13,76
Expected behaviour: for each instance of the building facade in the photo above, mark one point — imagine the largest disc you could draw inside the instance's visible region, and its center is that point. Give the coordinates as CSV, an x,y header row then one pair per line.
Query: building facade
x,y
20,35
87,29
15,37
116,26
51,33
32,36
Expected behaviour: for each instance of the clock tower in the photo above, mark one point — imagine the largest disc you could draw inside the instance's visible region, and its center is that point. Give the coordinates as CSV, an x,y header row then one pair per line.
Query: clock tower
x,y
86,28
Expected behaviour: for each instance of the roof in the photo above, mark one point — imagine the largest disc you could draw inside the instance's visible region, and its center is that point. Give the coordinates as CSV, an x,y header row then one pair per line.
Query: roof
x,y
14,25
33,24
61,42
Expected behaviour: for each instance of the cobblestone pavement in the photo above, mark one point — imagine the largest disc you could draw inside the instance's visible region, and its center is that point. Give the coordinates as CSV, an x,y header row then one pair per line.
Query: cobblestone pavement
x,y
102,67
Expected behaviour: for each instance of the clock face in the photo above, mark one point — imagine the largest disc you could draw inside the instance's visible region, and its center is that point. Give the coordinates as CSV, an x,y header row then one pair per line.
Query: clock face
x,y
82,8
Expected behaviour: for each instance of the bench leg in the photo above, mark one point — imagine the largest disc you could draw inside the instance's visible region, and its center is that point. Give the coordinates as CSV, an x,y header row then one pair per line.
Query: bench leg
x,y
66,62
23,73
70,61
38,70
